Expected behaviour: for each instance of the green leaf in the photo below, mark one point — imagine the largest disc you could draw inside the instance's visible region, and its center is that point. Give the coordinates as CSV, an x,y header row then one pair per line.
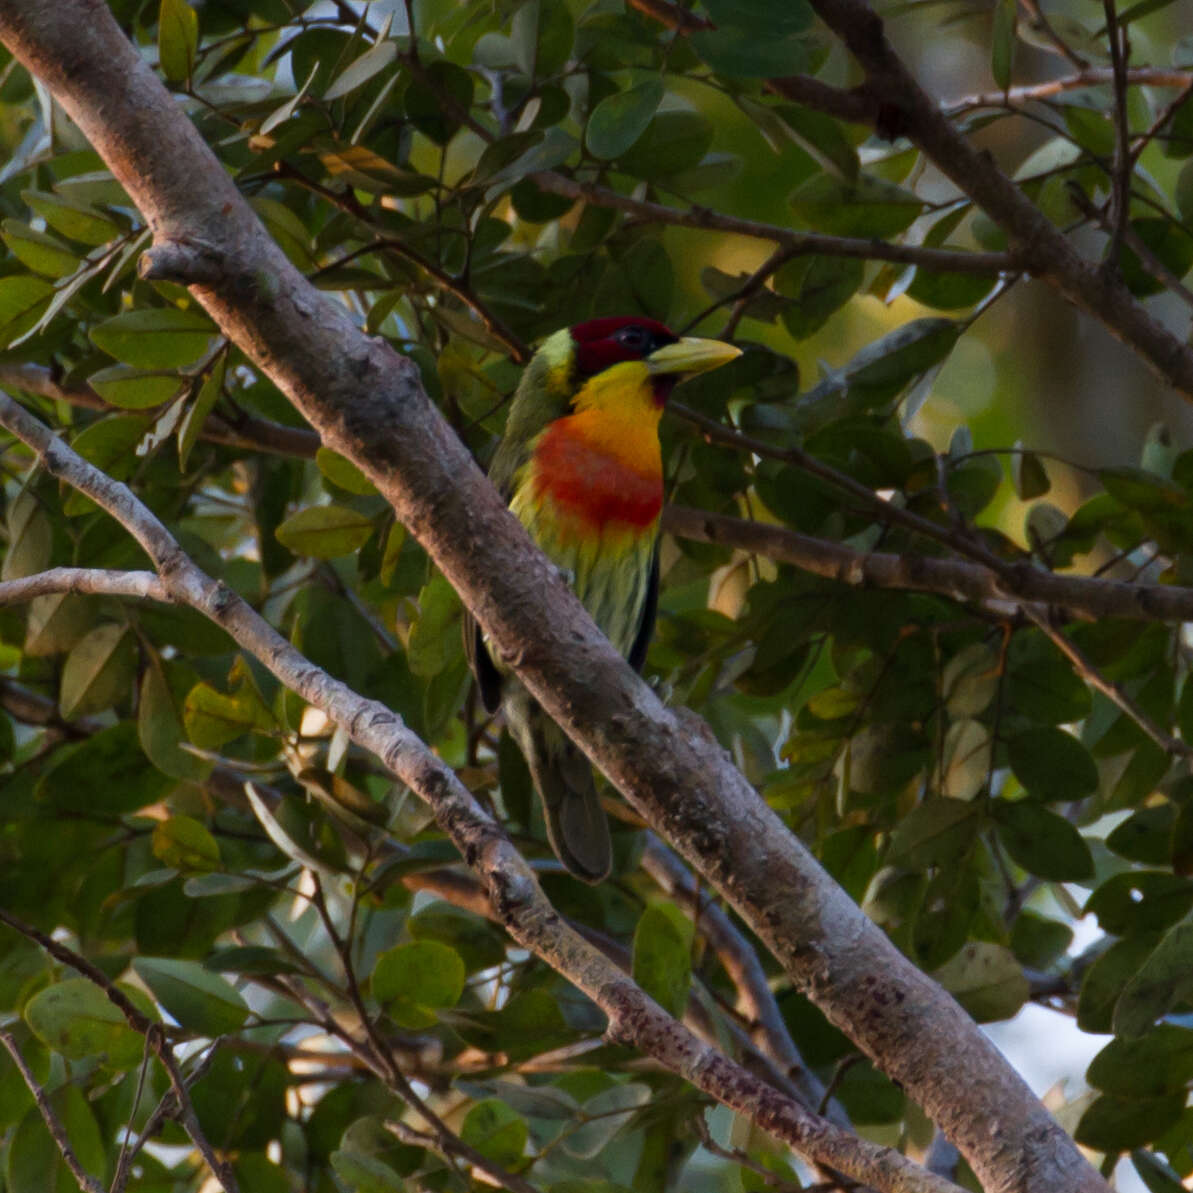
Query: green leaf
x,y
325,531
343,473
1168,242
1028,474
430,648
662,963
496,1131
76,1018
191,427
1156,1175
1042,842
251,960
415,980
1041,683
1037,942
1141,901
867,206
619,120
75,221
37,251
98,672
1159,1062
34,1160
986,980
1163,980
1113,1124
363,1173
479,943
56,622
23,300
937,833
674,141
135,389
1002,42
372,62
432,103
156,337
184,844
199,1000
1052,764
177,39
30,538
159,721
608,1113
106,775
818,287
1105,979
739,52
213,719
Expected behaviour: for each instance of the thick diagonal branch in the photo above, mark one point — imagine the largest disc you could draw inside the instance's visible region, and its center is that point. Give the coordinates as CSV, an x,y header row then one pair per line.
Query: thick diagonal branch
x,y
513,891
367,403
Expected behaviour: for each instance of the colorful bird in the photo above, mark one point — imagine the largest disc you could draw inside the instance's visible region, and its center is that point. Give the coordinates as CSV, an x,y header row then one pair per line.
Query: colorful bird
x,y
580,466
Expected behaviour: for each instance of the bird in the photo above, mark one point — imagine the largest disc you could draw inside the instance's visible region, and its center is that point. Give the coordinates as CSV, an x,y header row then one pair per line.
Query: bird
x,y
580,465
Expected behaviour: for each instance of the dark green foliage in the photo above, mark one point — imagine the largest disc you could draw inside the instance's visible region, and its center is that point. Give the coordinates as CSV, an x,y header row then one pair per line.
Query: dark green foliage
x,y
945,759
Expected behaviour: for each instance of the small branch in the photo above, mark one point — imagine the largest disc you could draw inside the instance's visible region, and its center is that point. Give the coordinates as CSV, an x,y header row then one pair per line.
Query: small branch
x,y
238,430
447,282
89,581
858,105
139,1023
885,511
1112,691
906,109
1093,76
53,1123
672,16
1132,240
741,963
1084,597
1121,208
799,243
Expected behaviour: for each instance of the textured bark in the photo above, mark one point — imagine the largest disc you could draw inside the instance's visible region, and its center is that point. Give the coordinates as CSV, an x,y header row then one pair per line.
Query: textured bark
x,y
367,403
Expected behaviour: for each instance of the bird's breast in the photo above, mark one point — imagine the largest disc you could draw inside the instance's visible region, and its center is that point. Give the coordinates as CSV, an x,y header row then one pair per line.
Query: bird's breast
x,y
598,481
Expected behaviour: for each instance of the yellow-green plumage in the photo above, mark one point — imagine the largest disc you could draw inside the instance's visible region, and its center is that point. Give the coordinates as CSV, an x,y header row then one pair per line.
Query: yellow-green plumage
x,y
581,468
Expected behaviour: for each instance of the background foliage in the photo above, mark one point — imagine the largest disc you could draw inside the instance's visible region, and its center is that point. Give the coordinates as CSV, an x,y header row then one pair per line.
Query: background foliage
x,y
975,778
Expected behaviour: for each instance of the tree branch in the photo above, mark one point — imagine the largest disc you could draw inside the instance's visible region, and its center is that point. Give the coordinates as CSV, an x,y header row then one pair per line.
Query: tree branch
x,y
1085,597
908,110
54,1125
799,243
672,770
513,890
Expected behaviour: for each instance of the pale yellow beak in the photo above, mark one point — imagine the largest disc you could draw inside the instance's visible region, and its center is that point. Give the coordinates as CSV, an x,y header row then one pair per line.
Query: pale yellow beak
x,y
689,356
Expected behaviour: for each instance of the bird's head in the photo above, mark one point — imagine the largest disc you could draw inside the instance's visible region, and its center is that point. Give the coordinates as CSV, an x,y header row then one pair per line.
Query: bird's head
x,y
627,360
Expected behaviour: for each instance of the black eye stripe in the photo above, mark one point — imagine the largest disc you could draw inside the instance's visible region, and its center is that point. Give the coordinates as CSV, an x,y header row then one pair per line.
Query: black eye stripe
x,y
643,339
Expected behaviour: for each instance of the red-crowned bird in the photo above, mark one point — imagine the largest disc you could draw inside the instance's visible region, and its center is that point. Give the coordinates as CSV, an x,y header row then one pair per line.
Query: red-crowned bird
x,y
580,466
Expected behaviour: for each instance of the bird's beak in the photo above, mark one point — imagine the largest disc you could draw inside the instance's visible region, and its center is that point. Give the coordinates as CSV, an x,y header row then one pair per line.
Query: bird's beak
x,y
689,356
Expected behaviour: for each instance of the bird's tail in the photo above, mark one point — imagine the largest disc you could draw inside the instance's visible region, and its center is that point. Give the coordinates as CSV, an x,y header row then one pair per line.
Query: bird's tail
x,y
576,823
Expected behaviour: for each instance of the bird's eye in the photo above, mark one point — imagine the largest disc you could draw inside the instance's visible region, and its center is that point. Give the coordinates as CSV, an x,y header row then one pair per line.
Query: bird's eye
x,y
634,337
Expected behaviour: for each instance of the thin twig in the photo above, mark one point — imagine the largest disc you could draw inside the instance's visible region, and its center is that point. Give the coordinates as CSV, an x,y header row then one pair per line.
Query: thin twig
x,y
1121,207
944,260
53,1123
1112,691
152,1032
1094,76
